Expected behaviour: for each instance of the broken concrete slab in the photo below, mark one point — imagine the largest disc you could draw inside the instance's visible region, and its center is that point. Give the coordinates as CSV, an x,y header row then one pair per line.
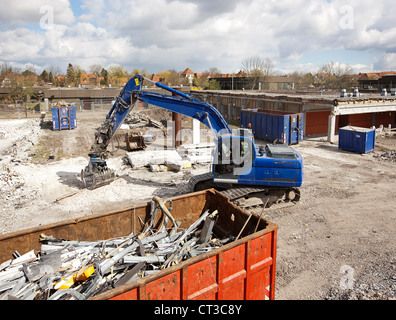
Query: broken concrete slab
x,y
197,153
155,157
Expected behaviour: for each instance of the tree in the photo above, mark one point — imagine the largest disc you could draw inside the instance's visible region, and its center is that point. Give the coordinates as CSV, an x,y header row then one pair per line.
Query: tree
x,y
333,75
172,78
43,77
50,77
213,85
105,75
56,71
16,90
117,74
214,72
95,69
5,69
73,74
78,71
302,80
70,74
258,69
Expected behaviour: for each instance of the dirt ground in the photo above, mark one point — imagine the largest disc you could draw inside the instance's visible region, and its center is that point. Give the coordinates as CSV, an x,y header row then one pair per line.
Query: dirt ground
x,y
337,243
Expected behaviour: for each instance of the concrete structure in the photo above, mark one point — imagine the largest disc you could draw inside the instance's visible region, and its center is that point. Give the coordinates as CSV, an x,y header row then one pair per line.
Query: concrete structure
x,y
323,114
237,82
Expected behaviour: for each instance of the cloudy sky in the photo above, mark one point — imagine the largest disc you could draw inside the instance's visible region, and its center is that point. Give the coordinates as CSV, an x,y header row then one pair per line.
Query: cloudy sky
x,y
298,35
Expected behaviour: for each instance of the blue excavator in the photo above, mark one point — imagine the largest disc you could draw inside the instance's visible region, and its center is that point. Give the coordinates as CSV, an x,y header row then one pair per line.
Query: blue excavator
x,y
239,170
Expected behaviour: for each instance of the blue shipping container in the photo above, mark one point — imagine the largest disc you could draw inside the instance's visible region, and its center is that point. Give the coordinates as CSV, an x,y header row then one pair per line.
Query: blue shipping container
x,y
64,117
356,139
287,128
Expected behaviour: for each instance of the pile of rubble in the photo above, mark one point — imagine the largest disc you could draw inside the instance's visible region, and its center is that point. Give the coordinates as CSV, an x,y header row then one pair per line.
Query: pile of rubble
x,y
386,156
18,137
138,120
6,131
79,270
13,192
11,184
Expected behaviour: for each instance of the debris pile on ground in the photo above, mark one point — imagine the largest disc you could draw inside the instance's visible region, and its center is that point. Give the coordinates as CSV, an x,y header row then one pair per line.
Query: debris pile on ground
x,y
6,131
13,193
138,120
18,138
11,184
197,153
82,269
386,156
154,159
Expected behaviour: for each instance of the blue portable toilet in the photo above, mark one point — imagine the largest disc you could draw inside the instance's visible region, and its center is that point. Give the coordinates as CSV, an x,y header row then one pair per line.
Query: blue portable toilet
x,y
64,117
356,139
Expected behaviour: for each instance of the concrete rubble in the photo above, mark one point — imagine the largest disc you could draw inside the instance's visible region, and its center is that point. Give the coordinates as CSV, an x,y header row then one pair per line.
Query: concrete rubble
x,y
386,156
16,139
78,270
153,159
136,120
197,153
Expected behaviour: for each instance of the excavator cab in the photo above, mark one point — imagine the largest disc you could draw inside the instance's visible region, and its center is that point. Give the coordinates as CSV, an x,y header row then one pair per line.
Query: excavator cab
x,y
238,161
234,159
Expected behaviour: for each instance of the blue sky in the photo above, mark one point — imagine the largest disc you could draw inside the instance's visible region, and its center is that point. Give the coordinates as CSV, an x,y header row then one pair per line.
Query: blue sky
x,y
298,35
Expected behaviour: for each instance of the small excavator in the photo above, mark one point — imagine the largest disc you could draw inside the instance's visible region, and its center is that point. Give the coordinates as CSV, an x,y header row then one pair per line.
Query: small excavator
x,y
239,170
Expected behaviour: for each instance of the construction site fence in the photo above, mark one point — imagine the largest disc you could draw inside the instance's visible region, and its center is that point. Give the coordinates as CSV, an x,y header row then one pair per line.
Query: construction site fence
x,y
38,107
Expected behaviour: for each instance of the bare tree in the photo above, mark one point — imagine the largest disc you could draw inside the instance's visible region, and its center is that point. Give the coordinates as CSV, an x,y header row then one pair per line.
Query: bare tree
x,y
336,69
95,69
56,71
216,72
5,68
333,75
302,80
258,69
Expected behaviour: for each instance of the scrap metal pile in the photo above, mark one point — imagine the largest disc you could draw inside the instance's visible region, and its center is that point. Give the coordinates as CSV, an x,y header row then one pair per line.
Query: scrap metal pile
x,y
65,269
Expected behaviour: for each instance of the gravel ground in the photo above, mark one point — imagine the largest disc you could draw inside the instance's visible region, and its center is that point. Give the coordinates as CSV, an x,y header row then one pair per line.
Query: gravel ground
x,y
337,243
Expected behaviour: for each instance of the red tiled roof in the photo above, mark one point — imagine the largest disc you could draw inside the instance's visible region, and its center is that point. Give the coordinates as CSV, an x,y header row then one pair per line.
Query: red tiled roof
x,y
187,71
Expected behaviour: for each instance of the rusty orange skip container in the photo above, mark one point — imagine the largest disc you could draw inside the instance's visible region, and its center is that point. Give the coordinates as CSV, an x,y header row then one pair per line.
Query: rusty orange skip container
x,y
241,270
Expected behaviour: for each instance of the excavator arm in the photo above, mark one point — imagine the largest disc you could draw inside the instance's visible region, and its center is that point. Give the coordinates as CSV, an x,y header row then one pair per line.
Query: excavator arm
x,y
97,173
186,105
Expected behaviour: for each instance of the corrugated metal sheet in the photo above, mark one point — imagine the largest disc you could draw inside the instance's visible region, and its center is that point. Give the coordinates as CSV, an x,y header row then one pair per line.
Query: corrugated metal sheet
x,y
356,139
272,125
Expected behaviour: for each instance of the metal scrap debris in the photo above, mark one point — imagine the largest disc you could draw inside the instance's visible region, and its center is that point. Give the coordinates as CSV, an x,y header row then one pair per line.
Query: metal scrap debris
x,y
77,270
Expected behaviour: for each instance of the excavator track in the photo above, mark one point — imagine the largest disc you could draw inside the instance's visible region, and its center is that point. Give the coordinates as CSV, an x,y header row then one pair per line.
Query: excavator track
x,y
245,196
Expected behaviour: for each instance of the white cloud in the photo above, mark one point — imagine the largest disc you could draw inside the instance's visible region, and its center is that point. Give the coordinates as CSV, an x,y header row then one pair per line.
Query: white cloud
x,y
386,61
165,34
17,13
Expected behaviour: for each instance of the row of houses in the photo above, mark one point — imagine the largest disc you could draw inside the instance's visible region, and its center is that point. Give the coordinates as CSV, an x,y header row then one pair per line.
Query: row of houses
x,y
241,81
380,80
236,81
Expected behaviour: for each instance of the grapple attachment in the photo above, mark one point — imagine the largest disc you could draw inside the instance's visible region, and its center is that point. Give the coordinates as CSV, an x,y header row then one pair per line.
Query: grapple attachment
x,y
96,174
